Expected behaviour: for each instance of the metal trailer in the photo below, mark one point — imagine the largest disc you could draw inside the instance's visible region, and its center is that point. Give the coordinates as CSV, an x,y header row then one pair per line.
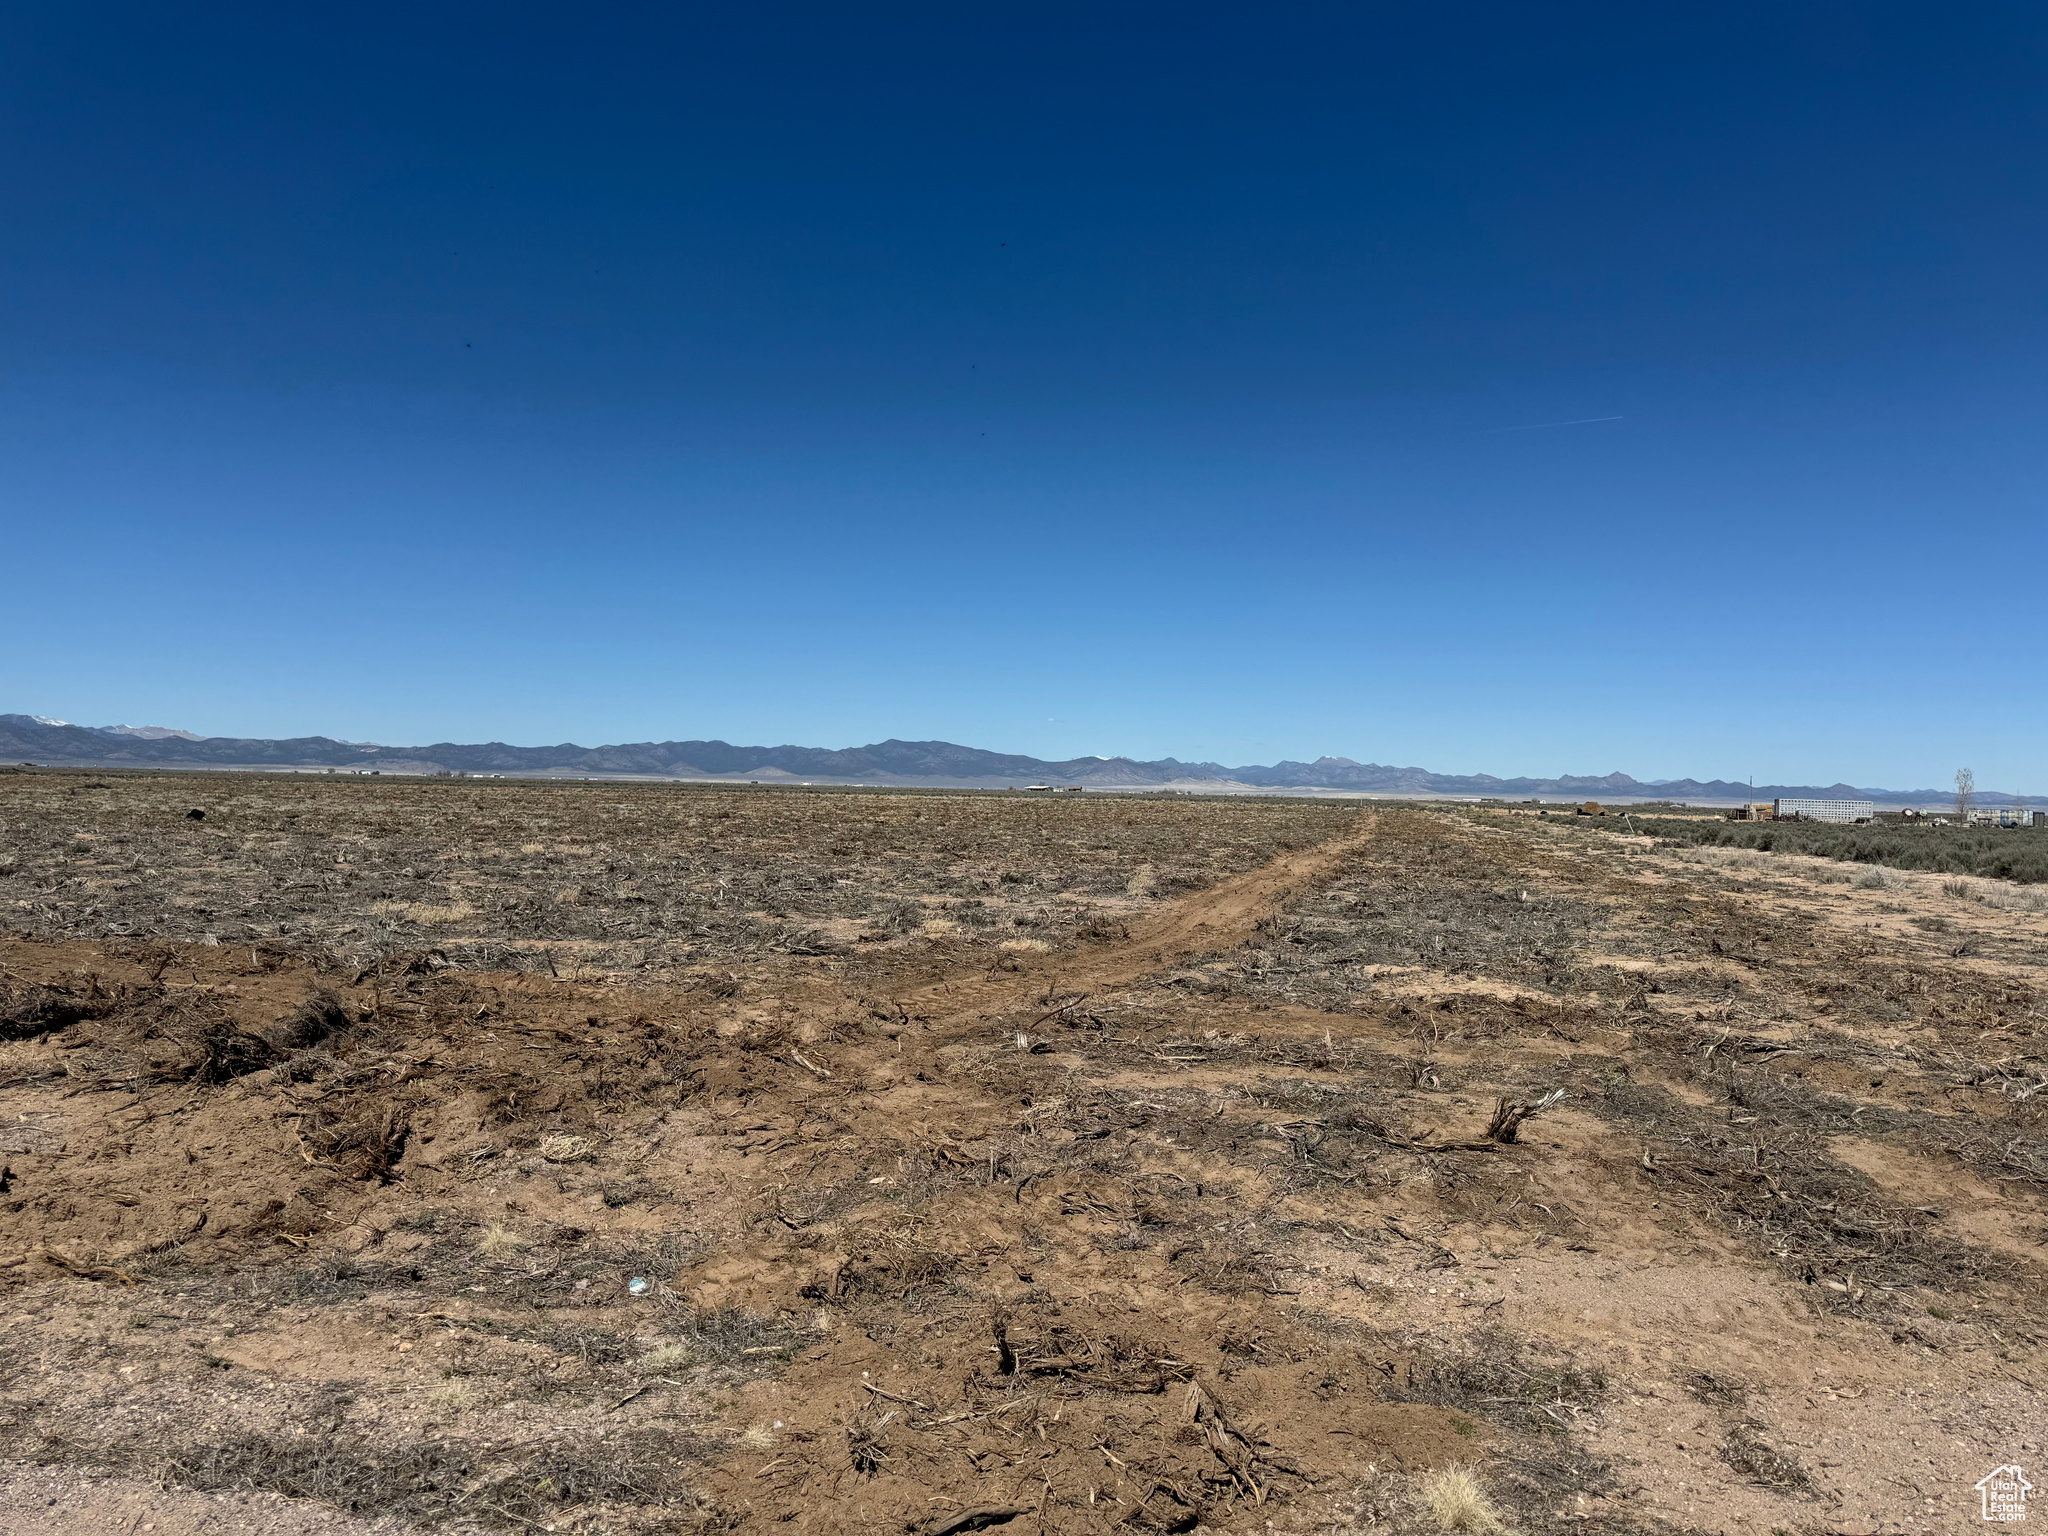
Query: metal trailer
x,y
2001,816
1825,810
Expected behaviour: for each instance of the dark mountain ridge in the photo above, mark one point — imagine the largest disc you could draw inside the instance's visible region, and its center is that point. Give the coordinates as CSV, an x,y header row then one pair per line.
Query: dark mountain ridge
x,y
31,738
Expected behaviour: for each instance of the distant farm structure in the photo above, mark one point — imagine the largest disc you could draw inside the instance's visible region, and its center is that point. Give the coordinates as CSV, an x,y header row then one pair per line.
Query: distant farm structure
x,y
1850,811
2001,816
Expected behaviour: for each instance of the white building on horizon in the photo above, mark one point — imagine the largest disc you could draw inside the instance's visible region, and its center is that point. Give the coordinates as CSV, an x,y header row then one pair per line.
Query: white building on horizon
x,y
1825,810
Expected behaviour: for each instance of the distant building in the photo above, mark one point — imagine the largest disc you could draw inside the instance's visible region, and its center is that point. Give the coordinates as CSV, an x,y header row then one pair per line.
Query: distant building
x,y
1825,810
2001,816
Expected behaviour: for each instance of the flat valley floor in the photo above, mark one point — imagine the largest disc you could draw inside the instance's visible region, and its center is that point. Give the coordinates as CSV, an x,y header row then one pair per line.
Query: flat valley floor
x,y
516,1157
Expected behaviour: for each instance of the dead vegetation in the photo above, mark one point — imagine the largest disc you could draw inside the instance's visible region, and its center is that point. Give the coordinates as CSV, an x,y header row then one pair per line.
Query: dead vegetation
x,y
599,878
1318,1191
639,1477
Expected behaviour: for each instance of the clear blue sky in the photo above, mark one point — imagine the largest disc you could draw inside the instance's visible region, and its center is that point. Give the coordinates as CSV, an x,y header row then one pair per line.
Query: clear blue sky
x,y
1148,379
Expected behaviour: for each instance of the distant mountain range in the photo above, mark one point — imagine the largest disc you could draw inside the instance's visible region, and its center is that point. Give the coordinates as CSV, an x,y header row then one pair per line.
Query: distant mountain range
x,y
37,739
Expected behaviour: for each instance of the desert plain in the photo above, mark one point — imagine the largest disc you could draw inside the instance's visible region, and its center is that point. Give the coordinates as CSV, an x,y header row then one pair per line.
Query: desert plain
x,y
391,1155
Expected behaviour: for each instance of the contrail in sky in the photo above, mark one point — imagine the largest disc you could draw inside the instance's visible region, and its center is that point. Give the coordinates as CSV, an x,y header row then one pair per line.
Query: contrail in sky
x,y
1538,426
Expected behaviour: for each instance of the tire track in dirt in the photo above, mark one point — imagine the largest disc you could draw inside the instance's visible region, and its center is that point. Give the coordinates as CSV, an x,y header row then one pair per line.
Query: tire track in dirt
x,y
1224,915
1220,917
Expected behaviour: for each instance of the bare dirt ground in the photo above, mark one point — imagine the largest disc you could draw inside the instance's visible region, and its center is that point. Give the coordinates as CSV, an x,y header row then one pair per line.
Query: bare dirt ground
x,y
995,1164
